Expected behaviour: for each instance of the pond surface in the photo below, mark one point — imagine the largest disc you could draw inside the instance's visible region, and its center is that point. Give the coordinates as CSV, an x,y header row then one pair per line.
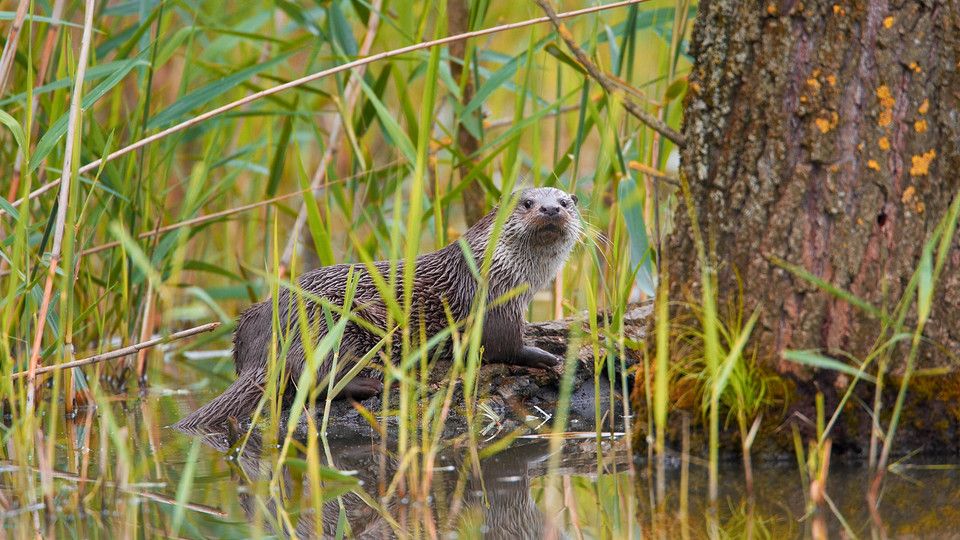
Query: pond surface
x,y
127,484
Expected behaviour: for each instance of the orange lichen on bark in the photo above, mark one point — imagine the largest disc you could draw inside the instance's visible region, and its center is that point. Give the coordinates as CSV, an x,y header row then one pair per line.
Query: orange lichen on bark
x,y
888,22
915,67
920,125
921,163
883,143
924,107
908,194
872,164
886,105
832,80
826,124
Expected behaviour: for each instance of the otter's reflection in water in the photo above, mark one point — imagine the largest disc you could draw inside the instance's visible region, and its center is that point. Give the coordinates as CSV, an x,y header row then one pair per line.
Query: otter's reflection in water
x,y
493,500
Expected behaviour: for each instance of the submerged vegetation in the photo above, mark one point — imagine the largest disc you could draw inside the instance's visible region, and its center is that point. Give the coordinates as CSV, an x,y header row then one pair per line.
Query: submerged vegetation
x,y
166,164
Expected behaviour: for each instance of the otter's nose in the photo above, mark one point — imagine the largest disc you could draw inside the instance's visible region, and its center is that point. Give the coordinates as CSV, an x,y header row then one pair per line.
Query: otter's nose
x,y
550,210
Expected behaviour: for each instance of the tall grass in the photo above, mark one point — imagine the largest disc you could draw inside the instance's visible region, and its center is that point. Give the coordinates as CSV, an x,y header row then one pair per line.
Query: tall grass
x,y
182,140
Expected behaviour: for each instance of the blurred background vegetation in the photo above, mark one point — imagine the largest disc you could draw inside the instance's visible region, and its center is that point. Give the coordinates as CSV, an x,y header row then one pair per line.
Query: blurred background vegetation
x,y
533,115
149,234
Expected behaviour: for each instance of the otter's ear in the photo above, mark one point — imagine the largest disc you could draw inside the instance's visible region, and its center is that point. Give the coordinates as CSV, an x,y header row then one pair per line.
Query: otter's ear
x,y
575,199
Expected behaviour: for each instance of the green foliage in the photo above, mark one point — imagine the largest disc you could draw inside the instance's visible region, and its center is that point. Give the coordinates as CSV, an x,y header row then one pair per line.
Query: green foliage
x,y
174,233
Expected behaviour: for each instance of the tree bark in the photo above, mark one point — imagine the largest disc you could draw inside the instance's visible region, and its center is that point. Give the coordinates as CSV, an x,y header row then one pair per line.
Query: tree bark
x,y
826,134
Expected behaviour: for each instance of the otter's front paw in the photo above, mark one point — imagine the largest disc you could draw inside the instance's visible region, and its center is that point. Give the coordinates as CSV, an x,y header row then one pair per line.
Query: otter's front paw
x,y
361,388
535,357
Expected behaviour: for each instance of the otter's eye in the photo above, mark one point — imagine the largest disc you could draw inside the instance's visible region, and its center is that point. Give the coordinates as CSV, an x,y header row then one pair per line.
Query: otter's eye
x,y
563,203
528,204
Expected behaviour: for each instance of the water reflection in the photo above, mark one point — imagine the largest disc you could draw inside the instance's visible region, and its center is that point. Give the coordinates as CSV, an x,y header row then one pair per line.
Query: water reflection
x,y
499,502
117,472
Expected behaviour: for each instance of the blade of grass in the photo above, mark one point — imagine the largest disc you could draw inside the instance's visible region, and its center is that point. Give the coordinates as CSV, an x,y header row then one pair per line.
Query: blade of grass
x,y
819,361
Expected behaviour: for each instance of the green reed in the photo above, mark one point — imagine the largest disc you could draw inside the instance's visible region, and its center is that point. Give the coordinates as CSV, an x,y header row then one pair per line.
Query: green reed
x,y
388,193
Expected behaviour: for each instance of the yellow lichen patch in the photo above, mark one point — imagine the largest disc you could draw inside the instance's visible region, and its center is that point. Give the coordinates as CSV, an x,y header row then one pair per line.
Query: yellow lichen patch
x,y
915,67
838,10
883,143
771,9
872,164
886,105
822,124
920,125
886,98
908,194
832,80
860,147
924,107
919,207
921,163
813,83
888,22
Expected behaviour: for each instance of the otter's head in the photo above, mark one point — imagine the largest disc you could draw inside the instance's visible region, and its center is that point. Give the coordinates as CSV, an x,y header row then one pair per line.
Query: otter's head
x,y
544,218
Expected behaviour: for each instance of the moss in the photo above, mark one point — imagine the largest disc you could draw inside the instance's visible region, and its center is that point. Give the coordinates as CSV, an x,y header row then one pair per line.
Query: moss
x,y
943,390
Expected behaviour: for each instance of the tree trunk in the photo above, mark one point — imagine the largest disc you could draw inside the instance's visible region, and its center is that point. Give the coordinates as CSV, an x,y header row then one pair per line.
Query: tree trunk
x,y
827,134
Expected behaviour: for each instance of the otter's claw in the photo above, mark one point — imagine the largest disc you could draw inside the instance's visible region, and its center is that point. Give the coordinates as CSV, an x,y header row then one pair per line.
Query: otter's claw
x,y
535,357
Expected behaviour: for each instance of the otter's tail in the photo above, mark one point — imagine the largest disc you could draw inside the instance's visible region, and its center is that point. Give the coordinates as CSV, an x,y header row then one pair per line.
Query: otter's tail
x,y
239,401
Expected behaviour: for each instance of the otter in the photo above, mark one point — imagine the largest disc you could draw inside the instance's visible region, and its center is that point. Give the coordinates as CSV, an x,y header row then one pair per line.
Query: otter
x,y
536,239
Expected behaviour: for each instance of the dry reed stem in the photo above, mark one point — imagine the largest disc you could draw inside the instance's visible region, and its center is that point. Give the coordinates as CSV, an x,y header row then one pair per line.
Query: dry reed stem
x,y
314,77
146,329
351,93
654,174
608,83
48,47
63,203
10,49
126,351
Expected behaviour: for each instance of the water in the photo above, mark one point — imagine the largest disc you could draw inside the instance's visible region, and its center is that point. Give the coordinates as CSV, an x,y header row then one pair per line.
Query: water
x,y
597,490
